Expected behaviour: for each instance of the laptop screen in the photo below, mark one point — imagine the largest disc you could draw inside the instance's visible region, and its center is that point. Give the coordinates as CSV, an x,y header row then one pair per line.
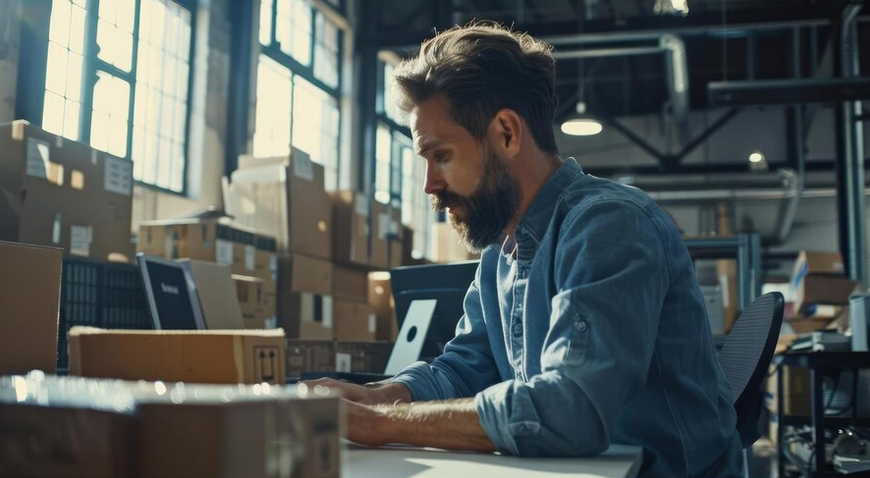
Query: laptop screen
x,y
169,296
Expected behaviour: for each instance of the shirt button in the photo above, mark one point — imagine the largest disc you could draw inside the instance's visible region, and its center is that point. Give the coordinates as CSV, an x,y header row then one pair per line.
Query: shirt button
x,y
581,326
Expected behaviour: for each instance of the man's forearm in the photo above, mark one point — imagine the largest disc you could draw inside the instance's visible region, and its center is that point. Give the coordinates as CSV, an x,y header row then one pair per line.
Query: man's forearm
x,y
452,424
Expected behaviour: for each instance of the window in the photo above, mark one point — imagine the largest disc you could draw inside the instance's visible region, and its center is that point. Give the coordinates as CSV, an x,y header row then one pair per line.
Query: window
x,y
298,84
400,174
138,54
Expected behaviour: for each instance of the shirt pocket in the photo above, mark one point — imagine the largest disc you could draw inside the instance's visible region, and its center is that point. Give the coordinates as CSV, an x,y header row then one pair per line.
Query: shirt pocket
x,y
568,337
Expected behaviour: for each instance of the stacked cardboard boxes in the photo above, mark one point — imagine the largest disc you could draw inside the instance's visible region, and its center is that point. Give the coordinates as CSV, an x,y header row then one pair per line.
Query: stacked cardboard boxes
x,y
355,319
61,193
380,297
251,257
820,286
447,246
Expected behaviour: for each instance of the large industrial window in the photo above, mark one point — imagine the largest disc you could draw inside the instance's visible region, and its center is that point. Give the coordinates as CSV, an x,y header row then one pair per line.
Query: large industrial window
x,y
298,83
118,78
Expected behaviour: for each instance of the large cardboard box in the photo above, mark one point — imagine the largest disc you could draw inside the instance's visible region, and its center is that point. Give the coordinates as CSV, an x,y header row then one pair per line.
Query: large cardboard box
x,y
350,223
381,297
236,356
285,198
305,356
364,357
29,305
217,295
305,296
386,250
220,431
214,240
258,300
796,390
818,262
58,192
354,321
350,284
817,278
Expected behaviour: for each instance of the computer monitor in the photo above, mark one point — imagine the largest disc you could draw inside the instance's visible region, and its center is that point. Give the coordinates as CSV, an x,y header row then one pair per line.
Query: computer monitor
x,y
446,283
171,294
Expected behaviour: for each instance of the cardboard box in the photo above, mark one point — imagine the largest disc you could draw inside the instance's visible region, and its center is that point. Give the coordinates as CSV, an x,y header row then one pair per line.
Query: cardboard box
x,y
824,290
350,222
447,247
62,193
213,240
354,321
29,306
217,295
364,357
818,262
305,356
266,259
285,198
197,431
305,315
305,296
381,297
796,391
350,284
238,356
258,301
386,250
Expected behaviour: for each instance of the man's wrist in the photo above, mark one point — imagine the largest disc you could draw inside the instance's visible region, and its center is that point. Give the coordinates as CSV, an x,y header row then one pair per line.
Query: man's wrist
x,y
390,392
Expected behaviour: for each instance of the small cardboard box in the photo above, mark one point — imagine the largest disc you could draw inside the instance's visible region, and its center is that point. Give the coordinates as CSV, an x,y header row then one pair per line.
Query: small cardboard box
x,y
354,321
306,315
29,305
213,240
365,357
305,356
350,284
217,295
381,297
822,289
818,262
257,298
386,236
62,193
350,222
284,197
235,356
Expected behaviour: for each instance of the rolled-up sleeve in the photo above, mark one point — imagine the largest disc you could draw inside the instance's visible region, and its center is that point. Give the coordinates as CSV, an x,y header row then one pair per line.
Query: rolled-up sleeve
x,y
466,366
612,275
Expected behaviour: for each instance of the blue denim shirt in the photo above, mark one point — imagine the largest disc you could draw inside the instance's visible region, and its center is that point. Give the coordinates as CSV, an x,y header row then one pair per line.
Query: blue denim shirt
x,y
593,331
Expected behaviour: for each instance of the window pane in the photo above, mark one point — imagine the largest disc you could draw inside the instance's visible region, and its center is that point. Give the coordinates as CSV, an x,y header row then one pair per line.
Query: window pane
x,y
77,29
74,77
52,113
265,22
293,29
109,117
272,126
326,59
382,164
59,27
316,124
56,69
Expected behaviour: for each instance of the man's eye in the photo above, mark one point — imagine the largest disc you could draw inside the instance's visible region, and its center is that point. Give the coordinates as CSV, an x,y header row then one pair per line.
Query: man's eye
x,y
441,156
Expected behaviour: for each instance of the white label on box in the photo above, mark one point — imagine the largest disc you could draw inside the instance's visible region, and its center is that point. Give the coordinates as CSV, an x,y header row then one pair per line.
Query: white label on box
x,y
373,323
80,240
342,362
250,256
273,266
302,167
224,252
362,205
38,157
327,311
119,176
306,307
55,229
383,226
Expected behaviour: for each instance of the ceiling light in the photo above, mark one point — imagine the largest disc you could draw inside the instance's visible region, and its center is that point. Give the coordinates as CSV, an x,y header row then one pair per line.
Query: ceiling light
x,y
756,157
581,127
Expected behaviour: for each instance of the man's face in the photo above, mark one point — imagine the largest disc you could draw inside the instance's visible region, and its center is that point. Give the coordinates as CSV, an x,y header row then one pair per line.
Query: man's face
x,y
464,177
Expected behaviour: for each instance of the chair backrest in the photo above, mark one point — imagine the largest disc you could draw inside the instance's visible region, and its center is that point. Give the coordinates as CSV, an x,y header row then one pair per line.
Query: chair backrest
x,y
745,357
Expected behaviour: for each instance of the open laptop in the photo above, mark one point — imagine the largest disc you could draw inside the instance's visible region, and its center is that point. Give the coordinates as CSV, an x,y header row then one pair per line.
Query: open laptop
x,y
170,293
424,333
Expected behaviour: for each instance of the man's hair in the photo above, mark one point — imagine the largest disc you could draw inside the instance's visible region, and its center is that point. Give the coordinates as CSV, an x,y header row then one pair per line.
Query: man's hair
x,y
481,68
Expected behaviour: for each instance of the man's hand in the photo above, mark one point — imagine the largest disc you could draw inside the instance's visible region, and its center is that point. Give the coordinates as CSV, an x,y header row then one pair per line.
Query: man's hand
x,y
369,394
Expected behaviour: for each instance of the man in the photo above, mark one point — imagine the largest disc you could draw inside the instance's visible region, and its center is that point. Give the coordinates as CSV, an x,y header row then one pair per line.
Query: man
x,y
584,325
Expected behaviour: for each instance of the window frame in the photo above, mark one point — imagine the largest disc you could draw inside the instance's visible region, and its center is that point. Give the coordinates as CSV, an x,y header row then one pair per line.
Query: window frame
x,y
92,65
306,72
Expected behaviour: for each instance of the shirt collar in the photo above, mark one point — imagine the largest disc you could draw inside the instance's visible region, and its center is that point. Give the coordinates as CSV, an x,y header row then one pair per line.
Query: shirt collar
x,y
537,218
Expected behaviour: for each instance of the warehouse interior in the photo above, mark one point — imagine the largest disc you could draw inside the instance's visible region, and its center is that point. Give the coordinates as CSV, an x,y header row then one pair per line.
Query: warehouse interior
x,y
247,163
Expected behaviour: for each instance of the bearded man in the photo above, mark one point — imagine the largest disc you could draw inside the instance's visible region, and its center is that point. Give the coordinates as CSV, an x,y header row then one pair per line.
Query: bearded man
x,y
584,325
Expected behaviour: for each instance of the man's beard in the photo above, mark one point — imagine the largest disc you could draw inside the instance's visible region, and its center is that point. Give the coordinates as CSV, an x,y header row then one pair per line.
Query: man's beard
x,y
488,210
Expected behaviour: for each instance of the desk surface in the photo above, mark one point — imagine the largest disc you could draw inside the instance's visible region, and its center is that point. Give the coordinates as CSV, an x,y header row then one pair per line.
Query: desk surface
x,y
619,461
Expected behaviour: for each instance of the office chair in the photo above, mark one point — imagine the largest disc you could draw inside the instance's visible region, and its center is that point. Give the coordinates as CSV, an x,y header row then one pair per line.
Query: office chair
x,y
745,356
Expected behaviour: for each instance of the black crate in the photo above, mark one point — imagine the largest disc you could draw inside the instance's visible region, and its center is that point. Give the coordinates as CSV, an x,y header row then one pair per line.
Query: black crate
x,y
102,295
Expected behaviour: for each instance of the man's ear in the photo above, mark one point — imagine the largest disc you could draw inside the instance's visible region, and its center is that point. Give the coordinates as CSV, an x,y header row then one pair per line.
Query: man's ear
x,y
506,132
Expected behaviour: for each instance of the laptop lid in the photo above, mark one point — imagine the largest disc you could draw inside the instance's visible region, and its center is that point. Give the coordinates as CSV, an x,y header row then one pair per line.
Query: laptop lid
x,y
171,294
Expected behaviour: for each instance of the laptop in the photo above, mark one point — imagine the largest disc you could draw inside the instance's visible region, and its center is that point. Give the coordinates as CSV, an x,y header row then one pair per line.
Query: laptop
x,y
170,293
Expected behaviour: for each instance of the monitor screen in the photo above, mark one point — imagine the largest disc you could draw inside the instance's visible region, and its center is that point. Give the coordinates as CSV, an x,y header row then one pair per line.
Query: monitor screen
x,y
446,283
172,302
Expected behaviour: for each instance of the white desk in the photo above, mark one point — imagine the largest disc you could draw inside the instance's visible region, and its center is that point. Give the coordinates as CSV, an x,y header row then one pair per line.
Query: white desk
x,y
619,461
